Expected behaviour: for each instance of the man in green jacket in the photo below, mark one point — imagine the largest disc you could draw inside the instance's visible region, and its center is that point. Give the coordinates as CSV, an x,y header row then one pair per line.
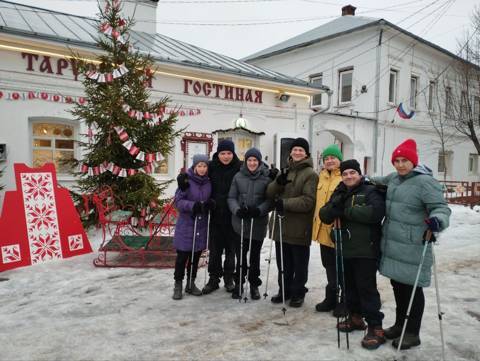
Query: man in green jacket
x,y
360,207
293,192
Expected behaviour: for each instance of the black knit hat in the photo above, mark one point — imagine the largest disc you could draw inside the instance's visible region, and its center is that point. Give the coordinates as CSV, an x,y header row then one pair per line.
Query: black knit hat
x,y
301,142
226,144
253,152
350,164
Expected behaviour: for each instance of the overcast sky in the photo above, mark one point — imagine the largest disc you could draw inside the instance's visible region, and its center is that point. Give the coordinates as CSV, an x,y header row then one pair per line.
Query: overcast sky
x,y
241,27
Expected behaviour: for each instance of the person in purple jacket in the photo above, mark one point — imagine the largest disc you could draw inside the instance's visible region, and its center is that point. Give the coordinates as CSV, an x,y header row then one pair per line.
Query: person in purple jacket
x,y
192,200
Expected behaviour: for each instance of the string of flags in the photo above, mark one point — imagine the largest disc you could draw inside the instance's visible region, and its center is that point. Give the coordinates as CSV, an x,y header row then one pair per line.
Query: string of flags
x,y
136,151
115,169
107,77
41,95
109,30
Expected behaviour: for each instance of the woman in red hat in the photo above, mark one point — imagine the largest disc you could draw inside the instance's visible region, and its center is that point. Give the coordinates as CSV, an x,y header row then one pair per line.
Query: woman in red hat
x,y
414,204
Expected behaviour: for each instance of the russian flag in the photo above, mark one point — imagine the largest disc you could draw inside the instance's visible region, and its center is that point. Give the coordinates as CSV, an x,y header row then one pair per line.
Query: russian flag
x,y
402,112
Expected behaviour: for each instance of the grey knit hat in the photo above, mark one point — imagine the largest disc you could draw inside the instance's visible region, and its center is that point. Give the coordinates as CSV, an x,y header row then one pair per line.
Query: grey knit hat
x,y
197,158
253,152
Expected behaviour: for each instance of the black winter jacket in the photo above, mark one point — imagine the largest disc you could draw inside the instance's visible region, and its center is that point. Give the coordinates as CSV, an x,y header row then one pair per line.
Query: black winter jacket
x,y
364,209
221,177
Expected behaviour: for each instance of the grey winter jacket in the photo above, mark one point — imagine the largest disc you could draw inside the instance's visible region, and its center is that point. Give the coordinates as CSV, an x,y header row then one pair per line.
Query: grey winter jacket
x,y
249,189
410,200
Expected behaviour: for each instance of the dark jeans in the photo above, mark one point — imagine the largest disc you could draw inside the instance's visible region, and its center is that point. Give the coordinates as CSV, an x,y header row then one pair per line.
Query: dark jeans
x,y
361,291
328,262
222,238
295,266
182,261
254,258
402,293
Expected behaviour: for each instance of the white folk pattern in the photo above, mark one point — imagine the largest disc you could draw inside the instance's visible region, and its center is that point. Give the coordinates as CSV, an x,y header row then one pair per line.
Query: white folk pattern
x,y
41,217
11,253
75,242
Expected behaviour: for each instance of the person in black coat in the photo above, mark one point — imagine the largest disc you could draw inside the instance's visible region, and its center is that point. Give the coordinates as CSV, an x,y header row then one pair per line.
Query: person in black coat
x,y
360,207
222,168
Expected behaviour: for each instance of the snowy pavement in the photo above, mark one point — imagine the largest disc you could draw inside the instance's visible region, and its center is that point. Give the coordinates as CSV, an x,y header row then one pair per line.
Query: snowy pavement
x,y
70,310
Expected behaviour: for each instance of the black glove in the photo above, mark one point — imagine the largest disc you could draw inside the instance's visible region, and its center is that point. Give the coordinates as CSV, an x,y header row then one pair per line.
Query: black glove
x,y
279,207
210,205
242,212
253,212
182,181
198,208
273,172
282,178
336,210
433,224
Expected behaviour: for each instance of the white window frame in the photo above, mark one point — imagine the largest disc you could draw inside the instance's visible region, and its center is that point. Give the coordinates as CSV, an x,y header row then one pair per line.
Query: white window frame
x,y
448,102
412,101
447,162
473,163
392,98
341,74
432,89
476,108
316,100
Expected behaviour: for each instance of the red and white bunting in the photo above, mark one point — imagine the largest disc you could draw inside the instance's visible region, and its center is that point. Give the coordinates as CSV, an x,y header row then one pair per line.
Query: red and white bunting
x,y
99,77
115,169
134,150
40,95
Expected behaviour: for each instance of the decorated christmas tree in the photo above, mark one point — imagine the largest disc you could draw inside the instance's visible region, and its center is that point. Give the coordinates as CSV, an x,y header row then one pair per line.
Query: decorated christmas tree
x,y
127,134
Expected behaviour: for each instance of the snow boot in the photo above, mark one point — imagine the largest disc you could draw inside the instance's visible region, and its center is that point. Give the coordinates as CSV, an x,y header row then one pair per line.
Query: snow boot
x,y
192,289
340,310
278,297
229,285
355,322
393,332
374,338
328,304
211,286
177,290
296,302
236,293
254,293
409,340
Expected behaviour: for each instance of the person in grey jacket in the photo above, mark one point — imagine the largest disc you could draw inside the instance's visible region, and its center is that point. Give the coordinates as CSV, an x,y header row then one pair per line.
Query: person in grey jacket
x,y
247,201
414,204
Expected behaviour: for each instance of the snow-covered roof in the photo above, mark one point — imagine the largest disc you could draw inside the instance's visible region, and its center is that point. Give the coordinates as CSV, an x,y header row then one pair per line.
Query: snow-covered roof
x,y
38,23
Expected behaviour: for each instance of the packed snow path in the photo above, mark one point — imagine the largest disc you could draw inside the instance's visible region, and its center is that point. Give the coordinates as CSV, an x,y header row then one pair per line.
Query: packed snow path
x,y
69,310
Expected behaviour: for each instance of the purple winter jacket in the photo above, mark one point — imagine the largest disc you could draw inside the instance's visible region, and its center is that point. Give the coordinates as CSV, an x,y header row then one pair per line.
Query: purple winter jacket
x,y
200,190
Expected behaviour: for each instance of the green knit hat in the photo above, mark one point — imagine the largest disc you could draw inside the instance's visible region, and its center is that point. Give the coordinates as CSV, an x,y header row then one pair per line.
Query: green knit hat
x,y
333,150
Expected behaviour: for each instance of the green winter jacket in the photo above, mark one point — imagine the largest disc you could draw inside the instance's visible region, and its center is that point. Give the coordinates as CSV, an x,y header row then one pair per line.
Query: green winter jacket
x,y
299,202
410,200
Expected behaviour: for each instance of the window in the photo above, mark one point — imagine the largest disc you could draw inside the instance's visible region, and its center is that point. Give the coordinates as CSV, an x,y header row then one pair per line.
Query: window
x,y
464,106
448,102
432,90
392,88
345,86
53,143
473,163
316,80
444,162
413,92
476,109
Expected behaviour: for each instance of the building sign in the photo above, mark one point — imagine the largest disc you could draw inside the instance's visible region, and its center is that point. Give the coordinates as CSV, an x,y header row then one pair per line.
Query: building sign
x,y
45,64
220,91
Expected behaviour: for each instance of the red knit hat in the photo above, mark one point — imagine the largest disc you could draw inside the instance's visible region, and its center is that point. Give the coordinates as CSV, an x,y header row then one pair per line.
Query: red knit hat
x,y
407,149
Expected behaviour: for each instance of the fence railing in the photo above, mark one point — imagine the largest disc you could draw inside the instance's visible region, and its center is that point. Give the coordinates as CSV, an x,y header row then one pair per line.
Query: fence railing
x,y
461,192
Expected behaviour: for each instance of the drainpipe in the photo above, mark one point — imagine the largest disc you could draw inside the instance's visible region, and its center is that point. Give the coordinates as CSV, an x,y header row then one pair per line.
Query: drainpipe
x,y
377,100
310,118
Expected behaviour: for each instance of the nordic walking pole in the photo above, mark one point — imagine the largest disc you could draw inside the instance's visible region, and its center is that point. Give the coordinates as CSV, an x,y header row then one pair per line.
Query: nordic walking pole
x,y
335,229
269,259
439,310
240,289
284,308
428,237
193,250
339,244
247,259
208,251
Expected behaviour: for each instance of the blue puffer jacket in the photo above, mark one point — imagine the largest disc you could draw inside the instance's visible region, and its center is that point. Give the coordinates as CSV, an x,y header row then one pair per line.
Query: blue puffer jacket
x,y
410,200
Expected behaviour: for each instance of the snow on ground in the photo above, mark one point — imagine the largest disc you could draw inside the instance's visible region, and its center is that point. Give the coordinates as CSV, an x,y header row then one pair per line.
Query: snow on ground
x,y
70,310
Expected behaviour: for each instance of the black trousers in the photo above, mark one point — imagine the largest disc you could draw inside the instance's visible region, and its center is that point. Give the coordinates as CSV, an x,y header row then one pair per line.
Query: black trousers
x,y
402,293
328,262
222,239
361,291
182,261
295,265
254,259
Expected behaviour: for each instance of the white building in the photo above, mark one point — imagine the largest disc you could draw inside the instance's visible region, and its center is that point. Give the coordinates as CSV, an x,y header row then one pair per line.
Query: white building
x,y
369,81
38,83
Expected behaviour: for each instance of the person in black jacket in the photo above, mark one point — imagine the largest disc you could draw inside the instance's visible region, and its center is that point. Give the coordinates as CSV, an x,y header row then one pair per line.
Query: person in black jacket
x,y
222,168
360,206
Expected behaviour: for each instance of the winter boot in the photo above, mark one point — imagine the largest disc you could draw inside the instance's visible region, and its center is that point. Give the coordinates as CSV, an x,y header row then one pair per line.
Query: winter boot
x,y
278,297
177,290
355,322
409,340
374,338
254,293
393,332
296,302
211,285
229,285
340,310
236,293
192,289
